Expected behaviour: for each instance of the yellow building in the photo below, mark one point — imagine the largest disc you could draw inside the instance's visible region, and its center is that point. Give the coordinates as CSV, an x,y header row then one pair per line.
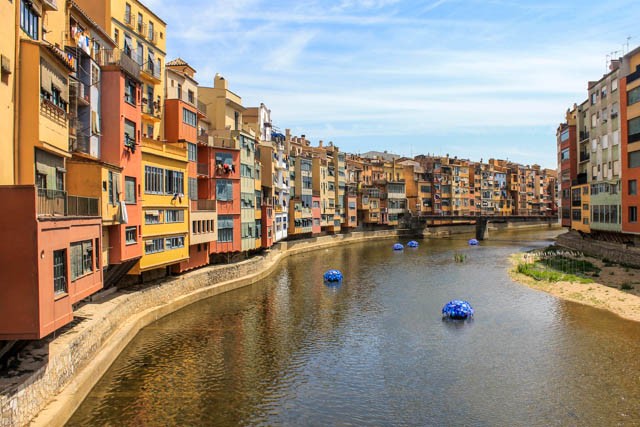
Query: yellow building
x,y
165,227
320,183
141,35
581,208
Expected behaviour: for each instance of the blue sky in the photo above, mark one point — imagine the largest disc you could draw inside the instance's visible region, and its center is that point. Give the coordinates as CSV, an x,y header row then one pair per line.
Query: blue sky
x,y
472,78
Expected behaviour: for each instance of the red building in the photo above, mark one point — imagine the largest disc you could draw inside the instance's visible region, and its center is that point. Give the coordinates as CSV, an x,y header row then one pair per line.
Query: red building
x,y
121,95
42,277
567,163
316,214
223,186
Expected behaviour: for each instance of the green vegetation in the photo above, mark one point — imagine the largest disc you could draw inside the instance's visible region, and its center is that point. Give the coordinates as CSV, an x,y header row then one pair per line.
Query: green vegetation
x,y
458,257
534,271
626,287
569,265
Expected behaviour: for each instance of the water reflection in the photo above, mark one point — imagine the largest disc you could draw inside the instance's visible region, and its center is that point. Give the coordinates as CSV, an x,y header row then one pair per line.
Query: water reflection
x,y
373,351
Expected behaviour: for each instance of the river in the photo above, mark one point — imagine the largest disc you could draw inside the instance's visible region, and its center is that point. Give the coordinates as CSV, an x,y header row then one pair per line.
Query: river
x,y
374,351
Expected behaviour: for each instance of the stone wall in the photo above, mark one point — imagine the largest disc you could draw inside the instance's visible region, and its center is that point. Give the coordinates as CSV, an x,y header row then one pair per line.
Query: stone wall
x,y
67,366
616,252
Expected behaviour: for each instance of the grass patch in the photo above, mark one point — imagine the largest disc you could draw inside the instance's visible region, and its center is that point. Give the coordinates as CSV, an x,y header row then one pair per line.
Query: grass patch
x,y
570,265
535,273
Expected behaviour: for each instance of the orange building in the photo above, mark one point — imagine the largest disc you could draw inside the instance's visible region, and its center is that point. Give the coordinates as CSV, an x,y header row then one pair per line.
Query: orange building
x,y
630,140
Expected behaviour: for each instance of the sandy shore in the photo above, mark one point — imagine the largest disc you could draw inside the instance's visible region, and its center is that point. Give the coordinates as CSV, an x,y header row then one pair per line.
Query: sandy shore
x,y
625,304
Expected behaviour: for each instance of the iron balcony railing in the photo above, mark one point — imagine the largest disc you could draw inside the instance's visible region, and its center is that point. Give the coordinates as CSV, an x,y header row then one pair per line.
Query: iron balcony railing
x,y
584,156
152,70
117,57
203,205
59,203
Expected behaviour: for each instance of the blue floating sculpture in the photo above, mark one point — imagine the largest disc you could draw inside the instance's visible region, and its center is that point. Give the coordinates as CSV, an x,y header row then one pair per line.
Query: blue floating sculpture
x,y
412,244
474,242
333,276
398,247
457,309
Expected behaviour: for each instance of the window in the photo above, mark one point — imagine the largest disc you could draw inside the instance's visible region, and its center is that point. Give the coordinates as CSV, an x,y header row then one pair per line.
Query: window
x,y
191,97
127,13
224,190
633,187
130,190
236,119
634,159
594,120
189,117
110,178
224,159
174,242
634,130
153,179
246,171
154,246
564,155
633,214
425,189
116,36
81,259
173,182
246,200
225,228
193,189
352,205
150,131
173,216
152,217
151,35
614,85
316,204
130,92
140,22
258,229
633,96
316,222
192,150
594,98
60,272
131,235
564,135
29,19
258,199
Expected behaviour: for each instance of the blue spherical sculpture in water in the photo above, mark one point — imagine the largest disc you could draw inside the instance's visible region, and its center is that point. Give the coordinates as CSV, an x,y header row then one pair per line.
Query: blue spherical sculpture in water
x,y
412,244
457,309
333,276
474,242
398,247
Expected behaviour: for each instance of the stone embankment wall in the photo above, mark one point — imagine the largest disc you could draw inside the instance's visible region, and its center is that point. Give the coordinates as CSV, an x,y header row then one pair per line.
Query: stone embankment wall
x,y
616,252
57,373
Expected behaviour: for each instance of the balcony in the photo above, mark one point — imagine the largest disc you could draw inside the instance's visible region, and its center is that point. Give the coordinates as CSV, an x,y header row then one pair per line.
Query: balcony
x,y
129,20
202,205
584,135
152,71
203,169
50,4
117,57
152,110
584,156
153,37
58,203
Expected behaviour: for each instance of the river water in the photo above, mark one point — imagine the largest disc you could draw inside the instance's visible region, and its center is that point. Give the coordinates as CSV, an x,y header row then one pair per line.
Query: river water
x,y
292,351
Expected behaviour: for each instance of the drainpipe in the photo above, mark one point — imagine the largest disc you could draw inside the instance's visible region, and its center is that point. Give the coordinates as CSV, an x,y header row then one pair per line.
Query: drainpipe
x,y
16,99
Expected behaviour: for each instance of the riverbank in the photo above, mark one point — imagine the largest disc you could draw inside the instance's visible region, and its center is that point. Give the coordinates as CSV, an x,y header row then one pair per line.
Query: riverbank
x,y
625,304
54,375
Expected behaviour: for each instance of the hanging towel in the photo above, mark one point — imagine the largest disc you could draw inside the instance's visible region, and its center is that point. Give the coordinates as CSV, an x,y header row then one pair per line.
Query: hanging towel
x,y
123,213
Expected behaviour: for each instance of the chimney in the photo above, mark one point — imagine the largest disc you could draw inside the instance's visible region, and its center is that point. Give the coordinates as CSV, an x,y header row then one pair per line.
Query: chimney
x,y
615,64
287,133
303,138
331,143
320,143
219,82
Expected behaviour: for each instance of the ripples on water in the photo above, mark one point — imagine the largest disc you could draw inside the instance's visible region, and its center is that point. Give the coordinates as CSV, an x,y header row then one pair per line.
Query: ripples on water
x,y
374,351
